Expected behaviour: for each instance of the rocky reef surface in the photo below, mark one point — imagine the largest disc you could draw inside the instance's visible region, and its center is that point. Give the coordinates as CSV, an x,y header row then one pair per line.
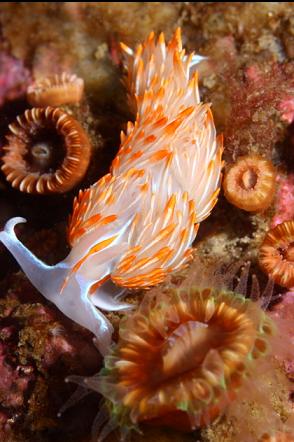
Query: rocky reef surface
x,y
248,76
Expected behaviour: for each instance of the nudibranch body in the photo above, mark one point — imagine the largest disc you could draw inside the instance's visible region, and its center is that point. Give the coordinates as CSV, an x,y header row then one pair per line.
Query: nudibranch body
x,y
137,223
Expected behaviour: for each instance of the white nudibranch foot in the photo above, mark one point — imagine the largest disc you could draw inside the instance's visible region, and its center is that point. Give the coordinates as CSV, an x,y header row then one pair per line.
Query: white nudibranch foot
x,y
72,302
137,224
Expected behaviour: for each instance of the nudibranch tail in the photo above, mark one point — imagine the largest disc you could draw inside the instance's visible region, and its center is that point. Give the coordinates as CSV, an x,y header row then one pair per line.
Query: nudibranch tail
x,y
36,271
74,302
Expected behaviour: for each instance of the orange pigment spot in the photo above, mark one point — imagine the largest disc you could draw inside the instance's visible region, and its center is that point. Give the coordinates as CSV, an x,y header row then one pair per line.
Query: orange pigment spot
x,y
160,122
110,199
100,246
136,155
161,40
144,280
172,127
144,187
139,50
150,139
97,284
140,135
186,112
159,155
220,140
126,263
165,232
115,163
169,209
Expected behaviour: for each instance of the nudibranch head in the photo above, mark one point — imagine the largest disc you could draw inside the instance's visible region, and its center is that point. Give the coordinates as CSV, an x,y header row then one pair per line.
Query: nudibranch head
x,y
47,152
276,254
182,356
56,90
250,183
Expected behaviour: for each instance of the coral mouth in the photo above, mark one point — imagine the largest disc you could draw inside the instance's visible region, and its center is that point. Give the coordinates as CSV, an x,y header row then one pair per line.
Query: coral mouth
x,y
182,357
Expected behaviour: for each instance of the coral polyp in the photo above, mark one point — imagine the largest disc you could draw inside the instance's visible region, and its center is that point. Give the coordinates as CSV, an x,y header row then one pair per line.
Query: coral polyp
x,y
47,151
56,90
276,254
182,356
250,183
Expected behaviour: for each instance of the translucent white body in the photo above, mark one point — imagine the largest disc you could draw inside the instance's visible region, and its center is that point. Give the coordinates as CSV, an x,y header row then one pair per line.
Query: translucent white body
x,y
137,224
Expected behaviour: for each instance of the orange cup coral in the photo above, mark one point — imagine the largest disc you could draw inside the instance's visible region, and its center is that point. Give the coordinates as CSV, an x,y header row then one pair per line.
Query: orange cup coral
x,y
276,254
181,357
189,355
47,152
250,183
56,90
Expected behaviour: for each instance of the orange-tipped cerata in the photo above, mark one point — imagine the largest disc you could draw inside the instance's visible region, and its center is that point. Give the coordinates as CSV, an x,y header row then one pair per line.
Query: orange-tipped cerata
x,y
250,183
47,151
276,255
56,90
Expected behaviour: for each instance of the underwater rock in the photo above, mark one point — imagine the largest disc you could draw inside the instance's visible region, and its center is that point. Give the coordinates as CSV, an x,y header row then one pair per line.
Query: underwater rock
x,y
284,206
283,314
287,109
248,78
14,78
37,350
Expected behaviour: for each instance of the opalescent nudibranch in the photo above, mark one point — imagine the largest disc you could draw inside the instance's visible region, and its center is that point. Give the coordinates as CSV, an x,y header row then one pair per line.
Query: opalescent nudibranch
x,y
137,223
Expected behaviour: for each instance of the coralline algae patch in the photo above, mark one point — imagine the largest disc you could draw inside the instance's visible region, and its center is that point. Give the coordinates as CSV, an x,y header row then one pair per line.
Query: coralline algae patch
x,y
284,205
14,78
37,351
283,314
248,78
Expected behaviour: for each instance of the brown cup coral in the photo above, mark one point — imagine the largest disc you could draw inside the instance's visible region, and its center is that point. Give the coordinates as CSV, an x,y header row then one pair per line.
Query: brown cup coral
x,y
250,183
47,152
181,357
276,254
56,90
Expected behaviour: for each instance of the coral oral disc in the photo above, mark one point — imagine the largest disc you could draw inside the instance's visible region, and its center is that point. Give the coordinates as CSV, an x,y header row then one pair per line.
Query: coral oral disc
x,y
276,254
250,183
183,355
47,152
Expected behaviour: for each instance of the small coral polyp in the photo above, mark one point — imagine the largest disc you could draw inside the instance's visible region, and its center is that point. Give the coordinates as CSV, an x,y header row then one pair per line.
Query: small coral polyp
x,y
182,356
47,151
56,90
276,255
250,183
